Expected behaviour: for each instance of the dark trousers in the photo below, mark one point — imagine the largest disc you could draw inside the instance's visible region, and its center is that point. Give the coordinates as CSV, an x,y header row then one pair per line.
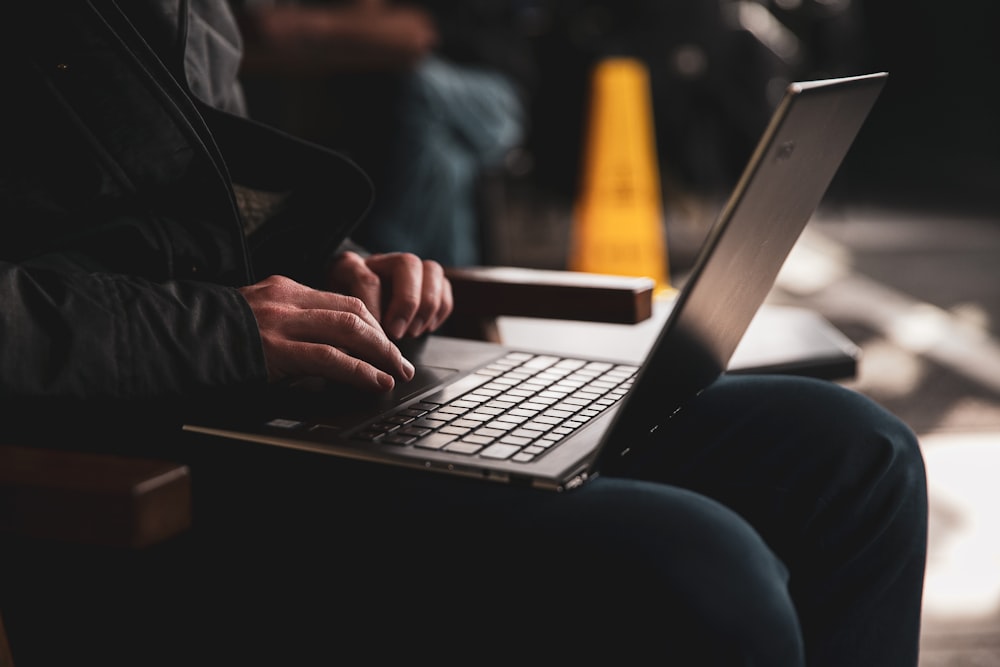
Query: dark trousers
x,y
779,521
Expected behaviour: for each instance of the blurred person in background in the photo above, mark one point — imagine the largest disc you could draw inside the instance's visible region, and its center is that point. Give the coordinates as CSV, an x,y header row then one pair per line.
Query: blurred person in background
x,y
426,96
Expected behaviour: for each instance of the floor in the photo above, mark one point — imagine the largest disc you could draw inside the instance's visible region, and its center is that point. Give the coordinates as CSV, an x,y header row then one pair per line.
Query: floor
x,y
919,291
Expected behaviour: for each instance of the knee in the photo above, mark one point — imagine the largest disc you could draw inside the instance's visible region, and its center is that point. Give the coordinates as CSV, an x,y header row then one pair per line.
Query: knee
x,y
875,440
676,573
869,454
842,427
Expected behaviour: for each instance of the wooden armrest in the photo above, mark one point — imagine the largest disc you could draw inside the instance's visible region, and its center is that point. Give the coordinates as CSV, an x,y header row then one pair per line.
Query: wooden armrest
x,y
483,293
87,498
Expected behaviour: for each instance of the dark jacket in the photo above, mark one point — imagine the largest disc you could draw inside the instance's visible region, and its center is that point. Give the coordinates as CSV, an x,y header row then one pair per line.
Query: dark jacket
x,y
122,239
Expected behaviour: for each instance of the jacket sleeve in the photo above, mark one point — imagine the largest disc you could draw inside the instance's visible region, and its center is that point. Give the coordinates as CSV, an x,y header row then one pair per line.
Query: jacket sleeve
x,y
108,336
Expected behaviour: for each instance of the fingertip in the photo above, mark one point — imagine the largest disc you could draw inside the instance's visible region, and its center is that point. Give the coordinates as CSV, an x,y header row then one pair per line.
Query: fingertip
x,y
397,328
417,327
385,381
408,370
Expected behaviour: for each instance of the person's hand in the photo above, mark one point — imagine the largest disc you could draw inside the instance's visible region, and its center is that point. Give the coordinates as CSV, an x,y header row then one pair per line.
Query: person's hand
x,y
313,333
407,295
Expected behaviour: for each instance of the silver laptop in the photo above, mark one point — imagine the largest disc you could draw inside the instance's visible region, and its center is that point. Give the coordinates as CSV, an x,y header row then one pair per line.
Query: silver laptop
x,y
538,419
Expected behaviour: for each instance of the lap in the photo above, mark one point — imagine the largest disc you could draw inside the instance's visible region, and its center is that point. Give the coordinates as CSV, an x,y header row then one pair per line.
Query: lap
x,y
745,446
462,560
697,535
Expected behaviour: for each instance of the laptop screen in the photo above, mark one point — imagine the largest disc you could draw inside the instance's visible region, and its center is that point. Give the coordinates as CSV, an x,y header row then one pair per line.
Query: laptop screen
x,y
782,185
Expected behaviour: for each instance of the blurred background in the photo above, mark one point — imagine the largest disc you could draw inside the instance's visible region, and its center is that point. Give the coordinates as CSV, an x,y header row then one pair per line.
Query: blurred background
x,y
903,255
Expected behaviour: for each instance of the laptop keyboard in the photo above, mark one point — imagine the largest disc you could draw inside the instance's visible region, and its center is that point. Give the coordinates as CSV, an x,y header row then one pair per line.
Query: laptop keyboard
x,y
517,408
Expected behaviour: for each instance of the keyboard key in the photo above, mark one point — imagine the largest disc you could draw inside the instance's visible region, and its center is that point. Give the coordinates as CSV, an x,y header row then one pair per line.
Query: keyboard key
x,y
398,439
425,422
477,439
521,393
556,394
398,419
575,400
435,441
383,427
511,419
462,447
541,361
515,440
599,365
602,384
535,425
452,410
544,419
501,425
499,451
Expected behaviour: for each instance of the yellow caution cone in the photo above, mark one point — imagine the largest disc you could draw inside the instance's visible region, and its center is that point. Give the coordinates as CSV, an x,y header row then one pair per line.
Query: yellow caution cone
x,y
618,223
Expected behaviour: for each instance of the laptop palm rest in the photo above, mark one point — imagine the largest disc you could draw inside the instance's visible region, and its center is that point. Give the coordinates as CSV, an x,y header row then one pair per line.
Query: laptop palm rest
x,y
315,399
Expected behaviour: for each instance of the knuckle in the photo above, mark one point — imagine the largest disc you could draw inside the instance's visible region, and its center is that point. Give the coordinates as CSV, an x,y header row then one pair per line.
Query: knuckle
x,y
277,280
354,306
367,280
329,356
409,302
410,258
434,268
351,324
269,315
358,368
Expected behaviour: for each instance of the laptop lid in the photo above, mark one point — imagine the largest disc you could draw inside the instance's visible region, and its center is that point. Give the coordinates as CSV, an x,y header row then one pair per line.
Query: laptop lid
x,y
787,176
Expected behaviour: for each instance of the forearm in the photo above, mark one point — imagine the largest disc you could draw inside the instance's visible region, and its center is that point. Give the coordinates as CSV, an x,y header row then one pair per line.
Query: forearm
x,y
85,335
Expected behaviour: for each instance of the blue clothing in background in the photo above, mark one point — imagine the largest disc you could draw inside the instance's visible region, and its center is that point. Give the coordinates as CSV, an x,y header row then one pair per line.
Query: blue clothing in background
x,y
454,122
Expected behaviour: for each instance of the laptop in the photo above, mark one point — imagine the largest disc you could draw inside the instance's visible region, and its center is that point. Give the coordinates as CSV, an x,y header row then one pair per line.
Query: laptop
x,y
548,421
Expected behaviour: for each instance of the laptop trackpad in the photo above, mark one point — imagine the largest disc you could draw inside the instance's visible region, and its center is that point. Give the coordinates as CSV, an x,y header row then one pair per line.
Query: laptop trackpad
x,y
321,399
424,378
